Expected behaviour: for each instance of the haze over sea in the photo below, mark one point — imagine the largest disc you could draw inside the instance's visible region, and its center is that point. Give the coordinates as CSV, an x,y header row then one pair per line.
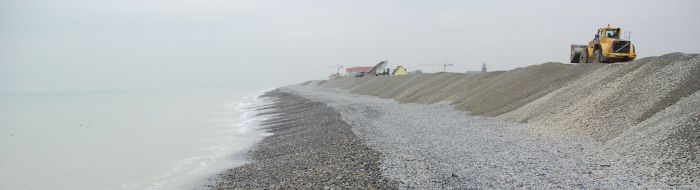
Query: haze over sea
x,y
137,139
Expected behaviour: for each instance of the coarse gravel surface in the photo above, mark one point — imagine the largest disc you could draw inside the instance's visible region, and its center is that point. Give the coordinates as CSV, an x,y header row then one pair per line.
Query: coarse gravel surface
x,y
311,148
434,146
646,112
633,125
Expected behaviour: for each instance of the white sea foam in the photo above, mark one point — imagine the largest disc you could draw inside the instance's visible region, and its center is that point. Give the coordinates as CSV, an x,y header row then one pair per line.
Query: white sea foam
x,y
236,136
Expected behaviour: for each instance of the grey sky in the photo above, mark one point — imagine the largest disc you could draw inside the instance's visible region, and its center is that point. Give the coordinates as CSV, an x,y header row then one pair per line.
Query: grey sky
x,y
65,45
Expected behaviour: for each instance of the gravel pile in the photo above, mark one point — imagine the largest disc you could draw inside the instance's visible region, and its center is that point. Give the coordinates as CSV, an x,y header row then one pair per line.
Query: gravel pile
x,y
488,94
666,146
646,112
435,146
640,114
605,103
311,148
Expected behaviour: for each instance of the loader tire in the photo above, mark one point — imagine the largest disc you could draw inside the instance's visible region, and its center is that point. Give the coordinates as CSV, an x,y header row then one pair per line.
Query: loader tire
x,y
598,56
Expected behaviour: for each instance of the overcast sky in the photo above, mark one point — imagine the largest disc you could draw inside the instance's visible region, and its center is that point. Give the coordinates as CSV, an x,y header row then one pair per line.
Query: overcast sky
x,y
68,45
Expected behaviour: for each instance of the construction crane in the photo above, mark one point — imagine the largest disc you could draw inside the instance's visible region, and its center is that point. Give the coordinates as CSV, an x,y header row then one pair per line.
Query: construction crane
x,y
444,65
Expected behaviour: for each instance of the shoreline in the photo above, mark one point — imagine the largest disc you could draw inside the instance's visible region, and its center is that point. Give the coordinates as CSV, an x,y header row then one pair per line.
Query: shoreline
x,y
311,148
323,135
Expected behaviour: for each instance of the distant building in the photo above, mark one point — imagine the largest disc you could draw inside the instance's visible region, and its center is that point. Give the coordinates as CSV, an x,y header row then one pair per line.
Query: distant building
x,y
483,68
400,71
357,71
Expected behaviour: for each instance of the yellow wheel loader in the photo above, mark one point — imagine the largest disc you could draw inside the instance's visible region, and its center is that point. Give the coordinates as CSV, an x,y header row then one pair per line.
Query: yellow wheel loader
x,y
608,46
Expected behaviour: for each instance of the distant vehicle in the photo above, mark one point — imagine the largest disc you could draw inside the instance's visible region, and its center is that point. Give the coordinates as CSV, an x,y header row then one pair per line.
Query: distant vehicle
x,y
378,69
606,47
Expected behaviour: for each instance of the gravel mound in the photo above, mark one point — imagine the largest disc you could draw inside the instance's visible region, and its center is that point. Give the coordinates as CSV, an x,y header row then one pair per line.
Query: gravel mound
x,y
645,106
604,104
488,94
667,144
312,148
434,146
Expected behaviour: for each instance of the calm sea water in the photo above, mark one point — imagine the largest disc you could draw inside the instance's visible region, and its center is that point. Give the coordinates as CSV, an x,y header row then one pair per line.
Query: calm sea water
x,y
147,139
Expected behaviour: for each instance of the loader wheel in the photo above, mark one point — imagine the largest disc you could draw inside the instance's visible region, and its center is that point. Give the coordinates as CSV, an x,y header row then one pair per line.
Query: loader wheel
x,y
598,56
583,58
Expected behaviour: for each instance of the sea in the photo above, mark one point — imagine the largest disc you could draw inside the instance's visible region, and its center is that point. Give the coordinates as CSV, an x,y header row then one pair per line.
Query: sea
x,y
125,139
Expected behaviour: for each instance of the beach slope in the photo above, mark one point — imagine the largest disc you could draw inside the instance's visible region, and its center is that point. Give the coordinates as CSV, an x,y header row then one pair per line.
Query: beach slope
x,y
553,125
311,148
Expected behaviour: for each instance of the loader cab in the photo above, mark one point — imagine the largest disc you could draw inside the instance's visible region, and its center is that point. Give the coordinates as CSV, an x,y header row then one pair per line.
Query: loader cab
x,y
607,35
613,33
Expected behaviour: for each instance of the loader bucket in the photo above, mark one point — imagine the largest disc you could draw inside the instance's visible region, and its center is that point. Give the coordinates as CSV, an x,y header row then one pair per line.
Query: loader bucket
x,y
576,52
